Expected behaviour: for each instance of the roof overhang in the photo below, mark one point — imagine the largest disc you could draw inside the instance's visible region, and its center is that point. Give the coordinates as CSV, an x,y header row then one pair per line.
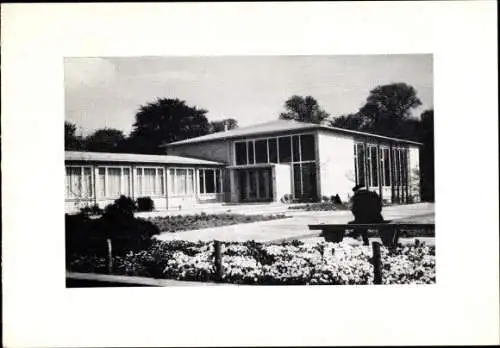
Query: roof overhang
x,y
107,157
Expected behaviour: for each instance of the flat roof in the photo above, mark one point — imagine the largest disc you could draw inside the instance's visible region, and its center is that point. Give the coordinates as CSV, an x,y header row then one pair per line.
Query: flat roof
x,y
132,157
281,126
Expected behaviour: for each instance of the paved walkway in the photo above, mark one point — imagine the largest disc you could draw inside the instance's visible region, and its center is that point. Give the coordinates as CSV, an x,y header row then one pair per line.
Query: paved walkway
x,y
248,209
295,226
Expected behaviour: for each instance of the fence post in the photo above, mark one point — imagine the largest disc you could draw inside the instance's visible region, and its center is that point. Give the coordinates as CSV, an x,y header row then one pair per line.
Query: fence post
x,y
377,269
218,261
110,256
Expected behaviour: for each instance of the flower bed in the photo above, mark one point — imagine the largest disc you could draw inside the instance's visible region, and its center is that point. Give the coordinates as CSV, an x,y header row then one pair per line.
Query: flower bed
x,y
286,263
320,206
199,221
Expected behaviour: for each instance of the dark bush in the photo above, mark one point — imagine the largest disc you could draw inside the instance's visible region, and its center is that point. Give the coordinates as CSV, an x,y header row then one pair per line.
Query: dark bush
x,y
126,232
91,210
123,206
83,236
86,236
145,204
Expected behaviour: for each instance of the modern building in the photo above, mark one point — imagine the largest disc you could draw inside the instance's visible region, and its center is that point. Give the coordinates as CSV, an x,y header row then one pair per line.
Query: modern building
x,y
170,181
268,162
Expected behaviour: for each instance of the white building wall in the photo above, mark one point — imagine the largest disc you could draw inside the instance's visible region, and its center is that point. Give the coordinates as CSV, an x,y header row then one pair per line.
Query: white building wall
x,y
336,165
282,181
414,173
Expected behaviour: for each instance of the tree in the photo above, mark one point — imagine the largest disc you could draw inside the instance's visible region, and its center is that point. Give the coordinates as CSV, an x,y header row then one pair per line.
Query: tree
x,y
388,106
71,140
105,140
350,121
303,110
165,121
220,126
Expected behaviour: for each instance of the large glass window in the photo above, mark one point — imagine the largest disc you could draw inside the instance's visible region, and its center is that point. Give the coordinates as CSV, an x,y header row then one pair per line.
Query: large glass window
x,y
297,180
397,167
210,181
181,181
386,167
285,149
404,166
218,180
307,147
126,180
150,181
296,148
373,161
102,182
241,153
79,182
273,150
113,181
309,179
261,151
304,179
250,151
359,163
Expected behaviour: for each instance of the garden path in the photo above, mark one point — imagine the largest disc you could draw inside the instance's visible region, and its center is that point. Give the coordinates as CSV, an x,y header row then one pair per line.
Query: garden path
x,y
295,226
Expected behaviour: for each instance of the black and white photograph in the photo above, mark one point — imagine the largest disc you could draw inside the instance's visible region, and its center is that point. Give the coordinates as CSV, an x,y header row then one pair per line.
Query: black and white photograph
x,y
262,170
250,174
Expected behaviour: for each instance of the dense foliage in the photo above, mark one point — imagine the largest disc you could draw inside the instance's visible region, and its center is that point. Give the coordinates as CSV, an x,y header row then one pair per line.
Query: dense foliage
x,y
303,109
145,204
126,232
271,263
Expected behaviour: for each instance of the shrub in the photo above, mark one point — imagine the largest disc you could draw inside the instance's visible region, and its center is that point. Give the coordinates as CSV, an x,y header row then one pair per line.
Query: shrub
x,y
83,236
125,206
91,210
145,204
86,236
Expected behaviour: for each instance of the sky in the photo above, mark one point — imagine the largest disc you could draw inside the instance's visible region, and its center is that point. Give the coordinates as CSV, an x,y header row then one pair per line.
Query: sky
x,y
108,91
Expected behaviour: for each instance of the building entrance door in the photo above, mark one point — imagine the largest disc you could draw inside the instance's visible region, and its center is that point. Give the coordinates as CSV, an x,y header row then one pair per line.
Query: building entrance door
x,y
255,185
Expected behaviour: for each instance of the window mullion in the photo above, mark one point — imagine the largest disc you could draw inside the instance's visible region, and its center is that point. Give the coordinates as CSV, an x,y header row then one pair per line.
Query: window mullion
x,y
106,182
277,150
82,182
246,147
254,154
215,176
267,148
300,148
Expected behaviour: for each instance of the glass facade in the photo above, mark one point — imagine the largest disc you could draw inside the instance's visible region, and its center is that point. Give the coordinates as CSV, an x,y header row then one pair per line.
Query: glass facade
x,y
380,166
298,150
79,182
210,181
282,149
